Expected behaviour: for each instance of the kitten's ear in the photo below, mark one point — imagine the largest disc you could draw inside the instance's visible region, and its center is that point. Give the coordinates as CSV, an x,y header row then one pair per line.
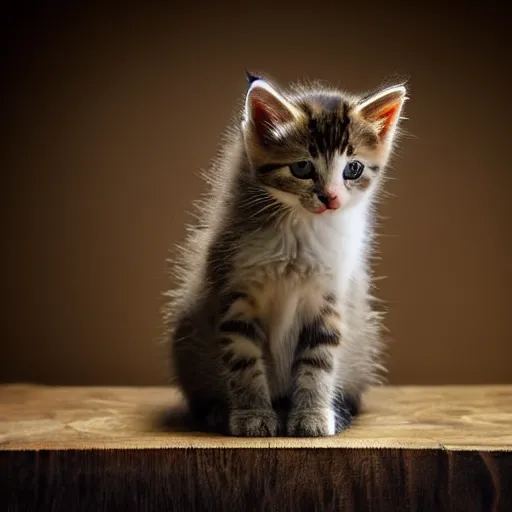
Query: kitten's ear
x,y
251,77
266,109
383,110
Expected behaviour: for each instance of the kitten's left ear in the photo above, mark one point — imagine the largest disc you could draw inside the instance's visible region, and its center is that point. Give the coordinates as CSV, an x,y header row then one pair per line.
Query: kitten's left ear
x,y
383,110
266,110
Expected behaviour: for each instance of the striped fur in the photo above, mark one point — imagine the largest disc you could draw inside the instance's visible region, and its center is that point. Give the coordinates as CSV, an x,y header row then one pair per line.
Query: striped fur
x,y
273,300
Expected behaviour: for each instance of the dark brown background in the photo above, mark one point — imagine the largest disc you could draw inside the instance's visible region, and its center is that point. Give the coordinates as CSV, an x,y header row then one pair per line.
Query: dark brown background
x,y
108,114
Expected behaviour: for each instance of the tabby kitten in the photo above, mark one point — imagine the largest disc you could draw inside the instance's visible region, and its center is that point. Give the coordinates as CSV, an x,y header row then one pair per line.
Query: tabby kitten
x,y
272,326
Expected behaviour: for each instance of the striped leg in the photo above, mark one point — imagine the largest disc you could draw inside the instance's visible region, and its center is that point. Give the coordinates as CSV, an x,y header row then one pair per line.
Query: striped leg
x,y
241,339
312,412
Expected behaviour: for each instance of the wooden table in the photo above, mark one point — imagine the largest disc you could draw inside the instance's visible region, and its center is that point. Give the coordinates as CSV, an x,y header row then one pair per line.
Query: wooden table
x,y
412,449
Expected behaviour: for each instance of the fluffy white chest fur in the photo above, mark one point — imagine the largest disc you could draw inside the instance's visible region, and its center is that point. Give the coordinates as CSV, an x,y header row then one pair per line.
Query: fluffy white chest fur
x,y
289,269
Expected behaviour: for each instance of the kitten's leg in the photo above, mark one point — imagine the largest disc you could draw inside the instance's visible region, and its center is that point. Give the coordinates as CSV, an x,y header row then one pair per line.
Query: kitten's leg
x,y
313,394
241,340
346,408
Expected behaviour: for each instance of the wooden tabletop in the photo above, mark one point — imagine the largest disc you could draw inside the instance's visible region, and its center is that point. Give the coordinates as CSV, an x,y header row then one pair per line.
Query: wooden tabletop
x,y
446,418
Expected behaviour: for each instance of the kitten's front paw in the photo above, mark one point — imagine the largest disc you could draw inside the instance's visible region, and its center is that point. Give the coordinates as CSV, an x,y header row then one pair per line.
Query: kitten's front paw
x,y
253,423
311,423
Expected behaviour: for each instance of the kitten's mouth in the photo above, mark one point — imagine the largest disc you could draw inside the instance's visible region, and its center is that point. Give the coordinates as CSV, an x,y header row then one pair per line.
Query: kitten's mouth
x,y
319,209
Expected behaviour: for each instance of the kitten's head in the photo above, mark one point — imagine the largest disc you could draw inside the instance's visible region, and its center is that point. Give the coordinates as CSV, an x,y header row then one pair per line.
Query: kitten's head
x,y
319,149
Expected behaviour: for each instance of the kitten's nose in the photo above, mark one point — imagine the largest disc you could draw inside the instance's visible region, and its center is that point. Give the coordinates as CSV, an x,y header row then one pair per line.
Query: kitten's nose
x,y
330,199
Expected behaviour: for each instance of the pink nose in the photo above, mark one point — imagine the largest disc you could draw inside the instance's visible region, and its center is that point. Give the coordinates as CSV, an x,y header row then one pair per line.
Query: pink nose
x,y
330,199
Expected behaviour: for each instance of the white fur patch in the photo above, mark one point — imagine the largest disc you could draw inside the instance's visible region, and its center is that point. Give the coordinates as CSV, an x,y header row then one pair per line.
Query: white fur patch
x,y
331,421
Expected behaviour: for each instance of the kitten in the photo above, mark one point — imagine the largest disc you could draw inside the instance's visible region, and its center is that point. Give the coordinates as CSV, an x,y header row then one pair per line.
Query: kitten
x,y
272,326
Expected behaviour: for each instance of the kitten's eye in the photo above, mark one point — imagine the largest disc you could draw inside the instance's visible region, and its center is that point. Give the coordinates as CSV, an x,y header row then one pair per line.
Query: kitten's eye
x,y
353,170
303,170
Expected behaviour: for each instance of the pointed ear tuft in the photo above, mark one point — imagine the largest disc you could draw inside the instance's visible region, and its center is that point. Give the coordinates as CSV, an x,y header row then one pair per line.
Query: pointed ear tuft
x,y
266,110
383,110
251,77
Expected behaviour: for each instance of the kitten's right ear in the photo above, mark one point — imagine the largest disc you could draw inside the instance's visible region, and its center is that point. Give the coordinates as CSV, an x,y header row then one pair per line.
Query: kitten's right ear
x,y
383,110
266,111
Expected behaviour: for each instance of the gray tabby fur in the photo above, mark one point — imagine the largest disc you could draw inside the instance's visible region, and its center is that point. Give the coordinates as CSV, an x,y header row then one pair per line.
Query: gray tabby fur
x,y
272,326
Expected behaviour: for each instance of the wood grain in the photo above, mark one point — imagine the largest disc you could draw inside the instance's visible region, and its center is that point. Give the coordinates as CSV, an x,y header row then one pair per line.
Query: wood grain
x,y
413,449
451,418
272,479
